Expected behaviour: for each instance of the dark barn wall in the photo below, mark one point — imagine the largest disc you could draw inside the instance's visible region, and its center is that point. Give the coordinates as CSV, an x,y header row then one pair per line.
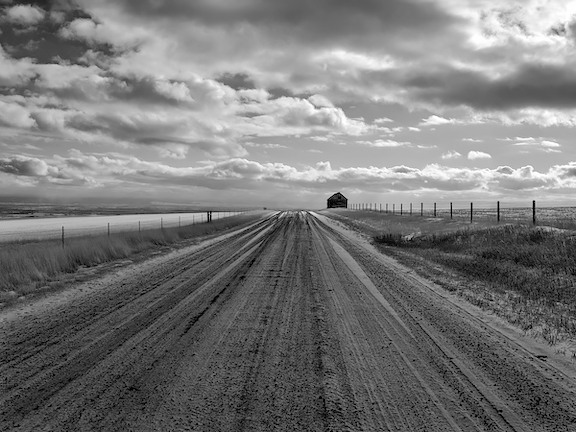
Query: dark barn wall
x,y
337,201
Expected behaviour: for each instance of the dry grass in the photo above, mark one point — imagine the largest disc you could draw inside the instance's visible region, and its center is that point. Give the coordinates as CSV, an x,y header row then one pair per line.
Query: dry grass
x,y
524,273
25,267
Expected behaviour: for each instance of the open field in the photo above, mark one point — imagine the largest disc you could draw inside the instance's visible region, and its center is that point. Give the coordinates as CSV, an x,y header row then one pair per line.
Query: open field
x,y
288,324
31,268
30,229
559,217
523,273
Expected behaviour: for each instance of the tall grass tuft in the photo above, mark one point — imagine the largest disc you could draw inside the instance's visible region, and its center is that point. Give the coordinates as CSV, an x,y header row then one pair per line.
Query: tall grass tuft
x,y
25,267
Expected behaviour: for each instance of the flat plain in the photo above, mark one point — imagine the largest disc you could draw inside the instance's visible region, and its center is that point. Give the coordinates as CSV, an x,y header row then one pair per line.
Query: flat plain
x,y
292,323
26,229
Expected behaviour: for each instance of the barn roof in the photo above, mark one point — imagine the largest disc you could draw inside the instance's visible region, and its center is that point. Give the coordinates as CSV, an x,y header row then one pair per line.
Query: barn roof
x,y
337,195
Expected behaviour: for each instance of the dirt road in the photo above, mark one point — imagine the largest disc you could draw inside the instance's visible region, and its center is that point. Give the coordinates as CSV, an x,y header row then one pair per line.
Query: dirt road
x,y
288,325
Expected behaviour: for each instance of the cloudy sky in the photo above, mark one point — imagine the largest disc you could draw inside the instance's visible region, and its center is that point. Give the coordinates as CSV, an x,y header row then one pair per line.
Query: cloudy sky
x,y
282,103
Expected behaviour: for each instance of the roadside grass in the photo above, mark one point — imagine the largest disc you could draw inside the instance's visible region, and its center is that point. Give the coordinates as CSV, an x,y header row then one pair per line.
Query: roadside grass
x,y
26,267
524,273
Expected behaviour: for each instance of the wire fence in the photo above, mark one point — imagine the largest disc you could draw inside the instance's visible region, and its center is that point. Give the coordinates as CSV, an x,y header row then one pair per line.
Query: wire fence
x,y
473,213
35,229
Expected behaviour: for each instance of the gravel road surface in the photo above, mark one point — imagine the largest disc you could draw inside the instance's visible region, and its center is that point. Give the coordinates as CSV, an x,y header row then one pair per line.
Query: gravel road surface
x,y
291,324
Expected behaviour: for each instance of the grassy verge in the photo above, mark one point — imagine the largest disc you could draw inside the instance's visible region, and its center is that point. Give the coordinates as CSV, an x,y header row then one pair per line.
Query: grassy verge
x,y
525,274
27,267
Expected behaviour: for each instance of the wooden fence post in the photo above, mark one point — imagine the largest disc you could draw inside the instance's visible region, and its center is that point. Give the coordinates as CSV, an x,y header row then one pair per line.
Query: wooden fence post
x,y
450,210
410,209
421,209
139,230
471,211
386,207
498,211
62,237
400,209
434,209
534,212
108,229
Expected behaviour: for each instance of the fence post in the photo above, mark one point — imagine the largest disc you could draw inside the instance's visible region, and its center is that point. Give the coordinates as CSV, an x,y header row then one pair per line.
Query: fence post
x,y
498,211
380,207
161,223
534,212
410,209
393,208
450,210
179,221
108,229
434,209
471,211
386,207
139,230
421,209
400,209
62,237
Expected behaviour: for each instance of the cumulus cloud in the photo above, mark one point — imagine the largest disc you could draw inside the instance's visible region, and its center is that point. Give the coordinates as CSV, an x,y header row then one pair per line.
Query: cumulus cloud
x,y
541,144
320,138
533,142
14,115
320,101
24,15
290,115
451,155
181,77
108,33
25,166
472,155
384,143
383,120
95,170
435,120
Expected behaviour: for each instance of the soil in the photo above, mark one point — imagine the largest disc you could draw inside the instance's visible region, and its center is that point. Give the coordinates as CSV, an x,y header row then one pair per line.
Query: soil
x,y
293,323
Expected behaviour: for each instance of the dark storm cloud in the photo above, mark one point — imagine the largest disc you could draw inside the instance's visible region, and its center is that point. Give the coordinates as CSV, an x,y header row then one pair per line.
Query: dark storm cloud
x,y
23,166
136,89
312,21
237,81
529,85
41,41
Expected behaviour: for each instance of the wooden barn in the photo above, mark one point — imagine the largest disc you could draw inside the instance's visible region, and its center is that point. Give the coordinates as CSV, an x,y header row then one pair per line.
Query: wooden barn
x,y
337,201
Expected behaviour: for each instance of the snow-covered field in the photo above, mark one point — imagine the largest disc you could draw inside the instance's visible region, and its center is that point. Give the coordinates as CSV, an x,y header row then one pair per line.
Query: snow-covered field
x,y
51,228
